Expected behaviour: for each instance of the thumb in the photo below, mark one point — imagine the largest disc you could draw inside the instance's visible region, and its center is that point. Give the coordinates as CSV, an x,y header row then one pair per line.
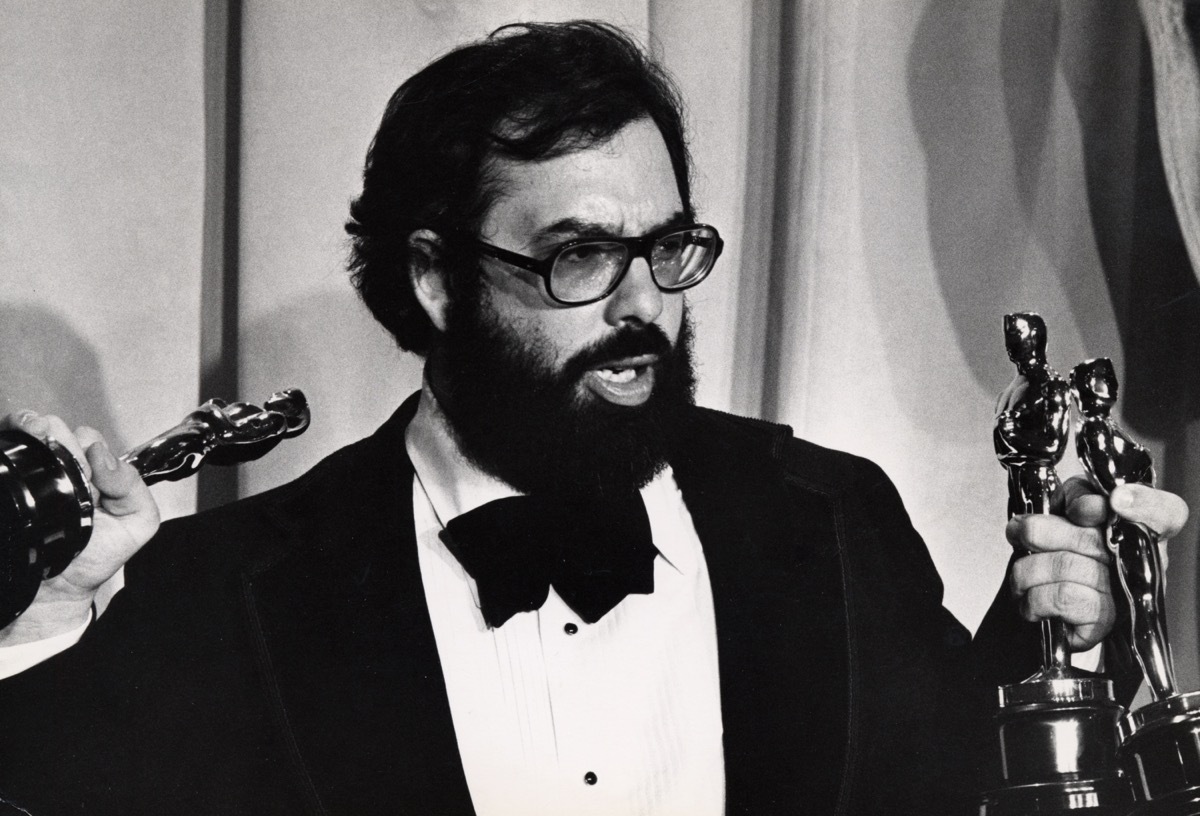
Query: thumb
x,y
121,489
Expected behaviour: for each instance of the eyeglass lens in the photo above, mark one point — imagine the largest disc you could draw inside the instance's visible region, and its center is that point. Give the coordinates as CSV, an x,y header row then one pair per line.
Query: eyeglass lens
x,y
586,271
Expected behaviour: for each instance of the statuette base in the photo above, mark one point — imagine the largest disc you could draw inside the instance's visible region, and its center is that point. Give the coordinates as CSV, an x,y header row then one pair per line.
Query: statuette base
x,y
1161,756
1058,749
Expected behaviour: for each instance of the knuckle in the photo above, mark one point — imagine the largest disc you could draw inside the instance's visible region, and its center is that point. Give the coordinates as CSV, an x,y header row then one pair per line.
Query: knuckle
x,y
1028,533
1061,563
1087,539
1076,603
1063,598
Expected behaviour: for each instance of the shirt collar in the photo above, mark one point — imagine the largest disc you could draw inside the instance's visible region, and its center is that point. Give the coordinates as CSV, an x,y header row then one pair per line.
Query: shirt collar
x,y
455,486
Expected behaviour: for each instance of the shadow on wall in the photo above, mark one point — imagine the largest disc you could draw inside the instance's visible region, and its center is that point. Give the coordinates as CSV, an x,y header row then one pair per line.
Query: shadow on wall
x,y
47,367
328,345
1002,213
977,215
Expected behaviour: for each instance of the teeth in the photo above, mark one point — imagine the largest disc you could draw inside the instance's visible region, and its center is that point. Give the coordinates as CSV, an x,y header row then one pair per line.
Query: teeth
x,y
616,375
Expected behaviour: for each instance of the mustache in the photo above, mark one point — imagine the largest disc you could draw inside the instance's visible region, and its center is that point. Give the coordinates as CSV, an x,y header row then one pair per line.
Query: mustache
x,y
627,341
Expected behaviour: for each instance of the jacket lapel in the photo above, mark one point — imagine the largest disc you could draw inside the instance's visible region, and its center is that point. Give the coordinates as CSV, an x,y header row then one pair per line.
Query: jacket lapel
x,y
772,555
347,648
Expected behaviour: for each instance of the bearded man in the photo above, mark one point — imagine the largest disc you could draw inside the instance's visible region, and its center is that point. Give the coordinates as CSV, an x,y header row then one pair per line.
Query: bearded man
x,y
549,583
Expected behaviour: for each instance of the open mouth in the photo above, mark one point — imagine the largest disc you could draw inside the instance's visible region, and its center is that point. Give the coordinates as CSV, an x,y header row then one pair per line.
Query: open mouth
x,y
628,381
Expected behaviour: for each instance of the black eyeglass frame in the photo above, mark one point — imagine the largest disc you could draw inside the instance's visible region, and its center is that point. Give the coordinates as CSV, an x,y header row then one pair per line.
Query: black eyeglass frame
x,y
639,247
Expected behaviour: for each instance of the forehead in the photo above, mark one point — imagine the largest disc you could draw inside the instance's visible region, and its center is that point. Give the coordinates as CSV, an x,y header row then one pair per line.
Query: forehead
x,y
625,185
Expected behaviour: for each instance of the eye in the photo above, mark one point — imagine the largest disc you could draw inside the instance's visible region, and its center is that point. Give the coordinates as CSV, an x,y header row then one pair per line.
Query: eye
x,y
583,253
672,244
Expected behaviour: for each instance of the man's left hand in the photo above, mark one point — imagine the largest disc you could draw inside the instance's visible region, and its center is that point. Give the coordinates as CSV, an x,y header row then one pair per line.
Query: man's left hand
x,y
1066,574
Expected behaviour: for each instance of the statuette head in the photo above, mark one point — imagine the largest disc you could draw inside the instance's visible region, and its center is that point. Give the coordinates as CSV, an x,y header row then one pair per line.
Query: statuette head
x,y
1025,339
1095,385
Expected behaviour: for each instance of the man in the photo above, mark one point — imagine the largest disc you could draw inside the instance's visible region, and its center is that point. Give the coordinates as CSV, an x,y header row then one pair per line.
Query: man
x,y
549,583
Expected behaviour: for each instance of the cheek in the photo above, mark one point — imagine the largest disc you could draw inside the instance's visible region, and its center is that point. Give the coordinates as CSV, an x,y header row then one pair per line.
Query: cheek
x,y
566,331
559,333
516,290
671,318
546,335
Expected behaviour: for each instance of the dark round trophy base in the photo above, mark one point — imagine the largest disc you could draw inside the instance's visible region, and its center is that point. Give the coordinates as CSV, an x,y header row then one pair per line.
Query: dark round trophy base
x,y
1058,750
1161,756
1084,797
45,517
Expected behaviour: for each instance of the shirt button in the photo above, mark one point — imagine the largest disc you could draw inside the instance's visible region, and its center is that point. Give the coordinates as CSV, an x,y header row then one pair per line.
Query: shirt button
x,y
571,629
589,778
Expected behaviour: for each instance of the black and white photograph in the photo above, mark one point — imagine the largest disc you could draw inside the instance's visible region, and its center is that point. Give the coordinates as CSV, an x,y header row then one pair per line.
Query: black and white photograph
x,y
600,407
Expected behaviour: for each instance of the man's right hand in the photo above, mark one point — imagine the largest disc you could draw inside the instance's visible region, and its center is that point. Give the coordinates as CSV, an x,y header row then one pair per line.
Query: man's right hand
x,y
126,517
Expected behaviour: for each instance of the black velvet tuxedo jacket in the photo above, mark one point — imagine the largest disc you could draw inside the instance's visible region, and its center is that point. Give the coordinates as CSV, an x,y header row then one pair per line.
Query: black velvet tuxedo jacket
x,y
276,655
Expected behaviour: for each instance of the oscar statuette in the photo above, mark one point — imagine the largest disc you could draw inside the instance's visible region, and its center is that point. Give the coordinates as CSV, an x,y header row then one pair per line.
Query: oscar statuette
x,y
1058,730
1160,750
46,503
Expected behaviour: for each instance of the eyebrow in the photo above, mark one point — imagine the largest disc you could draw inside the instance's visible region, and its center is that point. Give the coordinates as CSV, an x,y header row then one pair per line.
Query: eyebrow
x,y
578,227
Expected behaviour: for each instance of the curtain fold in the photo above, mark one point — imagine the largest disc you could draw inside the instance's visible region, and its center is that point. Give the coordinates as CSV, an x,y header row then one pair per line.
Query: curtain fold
x,y
1177,88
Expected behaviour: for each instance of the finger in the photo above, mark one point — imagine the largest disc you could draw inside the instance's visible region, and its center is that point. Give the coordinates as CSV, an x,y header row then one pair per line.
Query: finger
x,y
88,437
1003,400
1086,635
49,428
1078,605
1088,510
1072,492
66,437
1080,501
17,419
122,491
12,422
1040,569
1045,533
1012,394
1163,512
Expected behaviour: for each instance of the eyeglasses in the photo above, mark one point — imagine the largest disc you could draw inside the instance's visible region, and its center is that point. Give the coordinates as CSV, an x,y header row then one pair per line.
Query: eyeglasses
x,y
588,269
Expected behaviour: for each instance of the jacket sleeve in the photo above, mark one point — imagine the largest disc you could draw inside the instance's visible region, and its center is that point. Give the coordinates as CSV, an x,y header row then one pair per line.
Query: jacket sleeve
x,y
926,691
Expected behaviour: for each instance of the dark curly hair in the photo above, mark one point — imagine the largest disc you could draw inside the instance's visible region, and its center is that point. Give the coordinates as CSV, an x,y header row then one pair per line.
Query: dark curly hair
x,y
527,92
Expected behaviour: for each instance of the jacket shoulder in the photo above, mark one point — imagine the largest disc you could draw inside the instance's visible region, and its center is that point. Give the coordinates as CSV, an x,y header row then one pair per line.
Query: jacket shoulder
x,y
255,531
805,464
330,470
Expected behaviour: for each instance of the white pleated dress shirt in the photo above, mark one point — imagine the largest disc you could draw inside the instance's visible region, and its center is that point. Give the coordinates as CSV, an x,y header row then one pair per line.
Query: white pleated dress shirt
x,y
554,715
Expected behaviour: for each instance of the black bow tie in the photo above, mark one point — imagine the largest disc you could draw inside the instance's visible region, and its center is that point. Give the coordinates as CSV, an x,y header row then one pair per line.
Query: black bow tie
x,y
593,554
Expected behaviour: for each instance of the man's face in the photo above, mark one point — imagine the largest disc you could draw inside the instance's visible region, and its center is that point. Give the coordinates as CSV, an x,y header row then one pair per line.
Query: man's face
x,y
551,397
623,188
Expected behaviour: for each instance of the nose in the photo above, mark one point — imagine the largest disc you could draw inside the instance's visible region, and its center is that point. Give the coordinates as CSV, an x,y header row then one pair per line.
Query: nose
x,y
637,299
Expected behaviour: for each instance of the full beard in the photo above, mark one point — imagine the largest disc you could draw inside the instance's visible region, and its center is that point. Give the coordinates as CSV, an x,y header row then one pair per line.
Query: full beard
x,y
537,428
